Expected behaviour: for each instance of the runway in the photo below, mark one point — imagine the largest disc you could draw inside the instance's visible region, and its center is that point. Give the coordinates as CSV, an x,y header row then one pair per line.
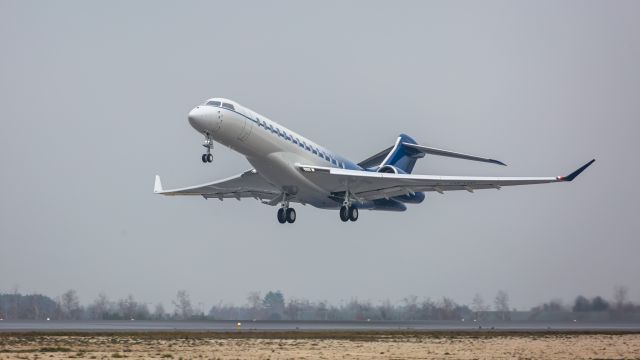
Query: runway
x,y
311,326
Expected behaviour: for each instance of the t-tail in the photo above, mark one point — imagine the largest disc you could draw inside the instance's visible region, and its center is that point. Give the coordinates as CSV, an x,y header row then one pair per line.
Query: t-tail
x,y
401,159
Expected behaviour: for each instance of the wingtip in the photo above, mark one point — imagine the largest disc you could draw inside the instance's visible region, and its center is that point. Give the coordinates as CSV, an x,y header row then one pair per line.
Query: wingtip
x,y
157,186
498,162
575,174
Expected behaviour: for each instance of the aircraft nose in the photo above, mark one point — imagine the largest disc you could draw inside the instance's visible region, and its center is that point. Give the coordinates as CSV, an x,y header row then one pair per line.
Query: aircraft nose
x,y
201,118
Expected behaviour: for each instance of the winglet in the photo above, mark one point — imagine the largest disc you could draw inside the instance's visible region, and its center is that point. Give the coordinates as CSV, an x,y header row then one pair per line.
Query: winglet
x,y
575,174
157,187
497,162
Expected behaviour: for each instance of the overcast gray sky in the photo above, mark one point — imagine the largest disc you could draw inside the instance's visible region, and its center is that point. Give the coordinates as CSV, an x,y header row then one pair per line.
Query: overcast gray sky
x,y
94,99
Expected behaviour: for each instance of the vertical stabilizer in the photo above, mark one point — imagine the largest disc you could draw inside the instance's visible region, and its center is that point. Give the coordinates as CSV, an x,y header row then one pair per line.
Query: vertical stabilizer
x,y
401,156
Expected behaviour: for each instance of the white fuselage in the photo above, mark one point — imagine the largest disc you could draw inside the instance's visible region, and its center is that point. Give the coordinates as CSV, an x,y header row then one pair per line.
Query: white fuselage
x,y
271,148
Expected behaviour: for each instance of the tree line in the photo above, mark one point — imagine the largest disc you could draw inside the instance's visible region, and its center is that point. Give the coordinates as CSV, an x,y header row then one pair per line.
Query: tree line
x,y
274,306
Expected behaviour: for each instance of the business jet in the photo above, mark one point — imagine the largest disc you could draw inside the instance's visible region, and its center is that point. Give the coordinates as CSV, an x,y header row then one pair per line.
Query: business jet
x,y
290,168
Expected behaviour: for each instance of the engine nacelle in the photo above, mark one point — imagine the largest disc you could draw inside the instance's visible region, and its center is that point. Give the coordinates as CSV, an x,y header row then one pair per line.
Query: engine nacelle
x,y
415,198
390,169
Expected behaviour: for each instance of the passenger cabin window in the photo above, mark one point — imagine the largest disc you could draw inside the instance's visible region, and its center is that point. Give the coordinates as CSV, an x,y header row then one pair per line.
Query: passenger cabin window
x,y
214,103
228,106
295,141
315,151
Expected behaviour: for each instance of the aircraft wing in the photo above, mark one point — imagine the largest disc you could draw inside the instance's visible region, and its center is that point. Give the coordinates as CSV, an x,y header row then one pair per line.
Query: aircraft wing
x,y
366,185
249,184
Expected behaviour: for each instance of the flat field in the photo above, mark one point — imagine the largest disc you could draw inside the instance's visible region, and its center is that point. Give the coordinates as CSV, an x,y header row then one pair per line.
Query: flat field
x,y
322,345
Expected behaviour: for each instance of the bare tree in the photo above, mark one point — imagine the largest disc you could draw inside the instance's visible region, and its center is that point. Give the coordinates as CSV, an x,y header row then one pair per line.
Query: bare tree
x,y
142,311
501,303
386,310
70,305
158,312
620,296
478,306
127,307
100,307
322,310
255,304
295,308
411,307
184,309
444,309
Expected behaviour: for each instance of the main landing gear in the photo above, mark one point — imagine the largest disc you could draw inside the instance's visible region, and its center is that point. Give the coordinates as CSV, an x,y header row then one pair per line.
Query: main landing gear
x,y
286,214
348,211
208,144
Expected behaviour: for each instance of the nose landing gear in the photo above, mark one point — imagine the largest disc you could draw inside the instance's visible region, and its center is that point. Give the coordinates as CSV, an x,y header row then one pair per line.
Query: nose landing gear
x,y
208,144
207,158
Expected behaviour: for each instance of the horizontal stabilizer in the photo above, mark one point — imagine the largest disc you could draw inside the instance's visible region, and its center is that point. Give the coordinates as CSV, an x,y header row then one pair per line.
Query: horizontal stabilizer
x,y
376,159
451,154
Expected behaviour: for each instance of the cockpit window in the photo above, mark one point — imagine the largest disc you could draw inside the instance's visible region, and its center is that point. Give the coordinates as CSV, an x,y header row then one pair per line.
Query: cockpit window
x,y
214,103
228,106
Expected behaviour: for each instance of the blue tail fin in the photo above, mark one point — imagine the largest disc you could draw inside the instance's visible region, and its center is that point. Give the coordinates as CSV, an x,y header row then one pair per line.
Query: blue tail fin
x,y
403,157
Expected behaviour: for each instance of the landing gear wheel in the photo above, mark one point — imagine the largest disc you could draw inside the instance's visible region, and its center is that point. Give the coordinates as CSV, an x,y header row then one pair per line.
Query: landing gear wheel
x,y
353,213
344,213
208,144
281,216
291,215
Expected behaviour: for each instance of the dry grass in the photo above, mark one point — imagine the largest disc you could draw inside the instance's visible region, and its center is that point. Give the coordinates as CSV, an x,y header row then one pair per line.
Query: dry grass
x,y
321,345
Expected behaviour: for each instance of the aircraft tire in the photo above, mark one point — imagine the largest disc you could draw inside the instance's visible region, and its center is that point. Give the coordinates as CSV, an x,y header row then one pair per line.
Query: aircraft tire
x,y
344,214
353,213
281,216
291,215
204,159
209,158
